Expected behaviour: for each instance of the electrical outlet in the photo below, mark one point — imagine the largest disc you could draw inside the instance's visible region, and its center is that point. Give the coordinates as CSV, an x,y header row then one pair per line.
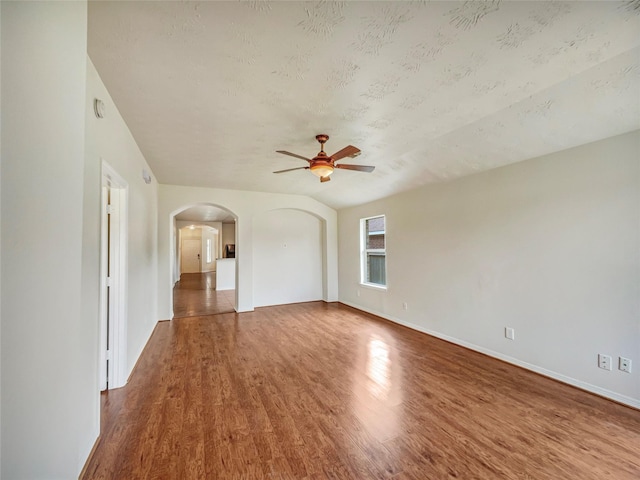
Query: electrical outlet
x,y
405,306
357,293
624,364
604,361
510,333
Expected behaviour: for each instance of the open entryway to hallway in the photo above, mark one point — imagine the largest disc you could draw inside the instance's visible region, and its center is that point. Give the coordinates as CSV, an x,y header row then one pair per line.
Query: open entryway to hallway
x,y
204,265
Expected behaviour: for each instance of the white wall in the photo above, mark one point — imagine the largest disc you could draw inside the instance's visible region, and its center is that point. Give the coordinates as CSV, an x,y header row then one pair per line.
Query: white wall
x,y
287,257
550,247
245,206
48,346
109,140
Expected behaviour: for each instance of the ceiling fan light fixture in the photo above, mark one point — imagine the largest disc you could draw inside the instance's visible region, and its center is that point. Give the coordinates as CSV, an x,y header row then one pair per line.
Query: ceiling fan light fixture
x,y
321,170
323,165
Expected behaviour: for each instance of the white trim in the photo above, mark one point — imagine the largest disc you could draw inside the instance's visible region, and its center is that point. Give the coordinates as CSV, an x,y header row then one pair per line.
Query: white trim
x,y
102,349
364,251
373,286
118,281
603,392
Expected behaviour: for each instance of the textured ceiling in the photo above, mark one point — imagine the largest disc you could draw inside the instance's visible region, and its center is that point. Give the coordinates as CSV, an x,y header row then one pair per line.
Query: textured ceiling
x,y
429,91
205,213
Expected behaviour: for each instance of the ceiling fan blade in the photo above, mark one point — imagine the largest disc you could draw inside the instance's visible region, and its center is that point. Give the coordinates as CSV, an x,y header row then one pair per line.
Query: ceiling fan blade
x,y
349,151
325,179
292,169
358,168
284,152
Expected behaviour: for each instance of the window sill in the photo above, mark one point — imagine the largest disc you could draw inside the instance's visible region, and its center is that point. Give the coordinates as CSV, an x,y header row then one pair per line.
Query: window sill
x,y
373,286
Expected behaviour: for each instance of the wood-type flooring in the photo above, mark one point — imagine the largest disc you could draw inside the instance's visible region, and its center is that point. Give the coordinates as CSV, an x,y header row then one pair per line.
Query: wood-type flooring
x,y
195,295
322,391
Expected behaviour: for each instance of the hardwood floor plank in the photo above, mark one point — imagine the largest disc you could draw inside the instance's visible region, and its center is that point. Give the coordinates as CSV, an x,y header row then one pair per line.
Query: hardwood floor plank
x,y
196,295
319,391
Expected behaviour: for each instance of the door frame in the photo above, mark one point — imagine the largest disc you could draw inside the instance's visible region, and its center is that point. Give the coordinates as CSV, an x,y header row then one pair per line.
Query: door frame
x,y
174,248
113,288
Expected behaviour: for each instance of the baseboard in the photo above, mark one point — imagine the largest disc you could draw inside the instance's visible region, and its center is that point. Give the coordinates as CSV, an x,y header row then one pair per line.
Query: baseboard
x,y
602,392
83,472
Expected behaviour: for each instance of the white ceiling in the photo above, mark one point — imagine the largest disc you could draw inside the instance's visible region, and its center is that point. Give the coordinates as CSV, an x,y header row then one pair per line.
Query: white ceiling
x,y
205,213
429,91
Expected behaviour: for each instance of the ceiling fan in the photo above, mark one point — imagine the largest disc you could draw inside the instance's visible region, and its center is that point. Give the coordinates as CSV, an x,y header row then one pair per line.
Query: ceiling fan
x,y
323,165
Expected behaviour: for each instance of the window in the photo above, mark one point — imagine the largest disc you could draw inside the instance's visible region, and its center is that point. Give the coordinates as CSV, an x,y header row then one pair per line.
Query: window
x,y
374,258
208,250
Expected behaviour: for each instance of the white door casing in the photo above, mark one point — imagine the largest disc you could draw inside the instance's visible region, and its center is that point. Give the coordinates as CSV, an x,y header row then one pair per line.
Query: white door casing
x,y
113,280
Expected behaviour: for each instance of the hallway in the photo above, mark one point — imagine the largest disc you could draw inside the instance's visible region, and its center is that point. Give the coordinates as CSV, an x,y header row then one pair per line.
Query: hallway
x,y
196,295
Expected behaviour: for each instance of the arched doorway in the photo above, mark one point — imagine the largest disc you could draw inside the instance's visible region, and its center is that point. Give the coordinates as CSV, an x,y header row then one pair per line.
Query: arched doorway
x,y
288,257
203,274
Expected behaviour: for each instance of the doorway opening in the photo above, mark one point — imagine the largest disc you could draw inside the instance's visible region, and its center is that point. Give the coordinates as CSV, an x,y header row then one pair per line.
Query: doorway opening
x,y
203,272
113,274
